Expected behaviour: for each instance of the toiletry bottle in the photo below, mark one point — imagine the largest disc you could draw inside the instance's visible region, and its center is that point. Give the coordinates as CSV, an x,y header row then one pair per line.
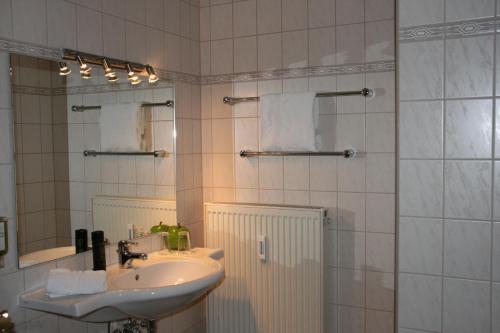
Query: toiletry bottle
x,y
98,250
81,240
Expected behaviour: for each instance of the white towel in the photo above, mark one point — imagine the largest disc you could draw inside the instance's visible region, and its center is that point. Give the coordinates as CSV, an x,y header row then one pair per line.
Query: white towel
x,y
288,122
63,282
125,128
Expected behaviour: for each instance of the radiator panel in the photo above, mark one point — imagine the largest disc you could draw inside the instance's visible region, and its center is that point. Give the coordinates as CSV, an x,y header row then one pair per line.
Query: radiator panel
x,y
113,214
281,295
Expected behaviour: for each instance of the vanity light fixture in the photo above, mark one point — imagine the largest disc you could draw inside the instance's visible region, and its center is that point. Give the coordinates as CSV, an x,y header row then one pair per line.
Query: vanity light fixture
x,y
132,76
151,73
63,69
112,78
84,68
87,75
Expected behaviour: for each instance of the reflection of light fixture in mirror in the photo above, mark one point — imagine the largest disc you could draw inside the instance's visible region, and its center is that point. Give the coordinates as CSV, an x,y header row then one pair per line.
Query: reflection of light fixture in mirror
x,y
108,71
63,69
84,68
132,76
86,75
152,75
112,78
135,81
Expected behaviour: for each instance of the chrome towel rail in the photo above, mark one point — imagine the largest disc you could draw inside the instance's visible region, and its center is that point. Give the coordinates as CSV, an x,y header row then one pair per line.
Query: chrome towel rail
x,y
156,153
348,153
365,92
81,108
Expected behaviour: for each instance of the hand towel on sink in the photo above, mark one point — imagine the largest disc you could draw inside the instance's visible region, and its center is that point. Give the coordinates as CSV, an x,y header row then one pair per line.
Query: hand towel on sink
x,y
288,122
64,282
125,128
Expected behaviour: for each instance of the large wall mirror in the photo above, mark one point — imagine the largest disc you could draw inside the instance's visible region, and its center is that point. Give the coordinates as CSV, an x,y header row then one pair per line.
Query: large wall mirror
x,y
87,150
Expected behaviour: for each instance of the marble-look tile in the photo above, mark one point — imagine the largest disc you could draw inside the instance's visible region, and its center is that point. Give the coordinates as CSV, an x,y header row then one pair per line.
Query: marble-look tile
x,y
420,245
420,12
469,67
496,252
351,174
467,246
467,189
468,128
421,73
497,128
421,188
457,10
350,43
495,294
10,286
466,306
29,21
6,19
420,301
421,129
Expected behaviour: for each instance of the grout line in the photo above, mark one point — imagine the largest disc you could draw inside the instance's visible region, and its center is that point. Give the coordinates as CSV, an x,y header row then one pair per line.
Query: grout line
x,y
443,197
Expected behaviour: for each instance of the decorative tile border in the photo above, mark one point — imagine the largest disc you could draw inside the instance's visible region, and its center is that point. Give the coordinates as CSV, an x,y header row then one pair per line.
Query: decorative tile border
x,y
27,90
380,66
449,30
172,77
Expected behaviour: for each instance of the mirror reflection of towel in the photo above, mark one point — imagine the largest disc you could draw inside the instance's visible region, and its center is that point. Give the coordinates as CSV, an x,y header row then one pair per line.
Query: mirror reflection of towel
x,y
289,122
125,128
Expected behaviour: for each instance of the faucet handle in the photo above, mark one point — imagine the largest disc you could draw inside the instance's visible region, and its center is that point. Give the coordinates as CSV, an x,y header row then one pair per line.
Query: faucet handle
x,y
124,244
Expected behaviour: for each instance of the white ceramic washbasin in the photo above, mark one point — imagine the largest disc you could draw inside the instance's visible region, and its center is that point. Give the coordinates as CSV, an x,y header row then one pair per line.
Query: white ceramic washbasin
x,y
152,289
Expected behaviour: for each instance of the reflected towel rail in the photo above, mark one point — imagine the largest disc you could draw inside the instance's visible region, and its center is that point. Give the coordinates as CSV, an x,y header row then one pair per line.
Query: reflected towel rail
x,y
156,153
348,153
365,92
81,108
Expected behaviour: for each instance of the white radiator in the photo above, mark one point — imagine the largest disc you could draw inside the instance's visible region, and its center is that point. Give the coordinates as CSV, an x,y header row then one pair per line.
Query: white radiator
x,y
113,214
273,259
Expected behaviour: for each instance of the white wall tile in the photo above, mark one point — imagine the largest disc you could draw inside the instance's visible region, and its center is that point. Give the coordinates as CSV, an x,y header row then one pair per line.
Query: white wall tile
x,y
467,246
469,67
466,306
496,252
421,127
30,21
468,9
421,245
467,189
420,302
421,188
420,12
422,70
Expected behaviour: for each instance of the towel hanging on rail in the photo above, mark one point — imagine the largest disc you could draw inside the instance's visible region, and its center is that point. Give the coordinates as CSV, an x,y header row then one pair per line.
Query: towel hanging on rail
x,y
125,128
288,122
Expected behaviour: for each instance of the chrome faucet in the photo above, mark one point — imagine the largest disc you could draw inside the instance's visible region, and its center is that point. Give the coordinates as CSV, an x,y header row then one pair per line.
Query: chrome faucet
x,y
125,257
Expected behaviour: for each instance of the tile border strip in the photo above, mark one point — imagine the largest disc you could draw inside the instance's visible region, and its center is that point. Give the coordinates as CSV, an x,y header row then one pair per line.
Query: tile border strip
x,y
172,77
378,66
458,29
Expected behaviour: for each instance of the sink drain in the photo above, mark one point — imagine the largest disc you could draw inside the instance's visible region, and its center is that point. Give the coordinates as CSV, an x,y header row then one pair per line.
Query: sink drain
x,y
137,277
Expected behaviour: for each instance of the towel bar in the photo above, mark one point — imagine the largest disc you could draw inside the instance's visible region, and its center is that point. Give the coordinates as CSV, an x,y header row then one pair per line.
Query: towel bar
x,y
348,153
365,92
156,153
81,108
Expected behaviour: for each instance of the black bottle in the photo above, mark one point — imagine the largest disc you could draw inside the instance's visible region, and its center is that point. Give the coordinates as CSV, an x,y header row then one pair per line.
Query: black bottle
x,y
98,250
81,240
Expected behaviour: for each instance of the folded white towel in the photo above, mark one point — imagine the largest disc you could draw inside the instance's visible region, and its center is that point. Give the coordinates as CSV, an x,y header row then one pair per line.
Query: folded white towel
x,y
288,122
64,282
125,128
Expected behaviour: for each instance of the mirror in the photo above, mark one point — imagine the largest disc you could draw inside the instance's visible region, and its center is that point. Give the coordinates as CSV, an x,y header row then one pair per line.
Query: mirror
x,y
59,189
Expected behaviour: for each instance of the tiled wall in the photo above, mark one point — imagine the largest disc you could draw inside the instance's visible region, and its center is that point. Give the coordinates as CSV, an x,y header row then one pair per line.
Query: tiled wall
x,y
163,33
449,238
42,195
249,36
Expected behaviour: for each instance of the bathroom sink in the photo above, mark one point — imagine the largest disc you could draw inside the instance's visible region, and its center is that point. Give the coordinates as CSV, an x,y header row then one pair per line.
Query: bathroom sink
x,y
152,289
